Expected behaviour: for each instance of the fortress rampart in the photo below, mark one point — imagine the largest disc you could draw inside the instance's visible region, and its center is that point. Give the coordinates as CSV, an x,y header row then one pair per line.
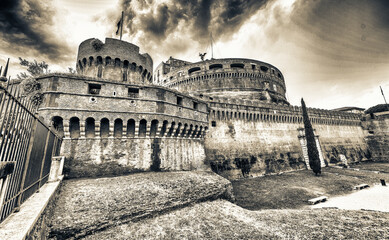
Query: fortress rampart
x,y
270,137
220,113
115,60
232,78
377,127
112,127
256,110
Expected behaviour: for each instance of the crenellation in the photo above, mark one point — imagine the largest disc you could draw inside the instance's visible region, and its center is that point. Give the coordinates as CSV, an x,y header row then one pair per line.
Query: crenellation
x,y
191,114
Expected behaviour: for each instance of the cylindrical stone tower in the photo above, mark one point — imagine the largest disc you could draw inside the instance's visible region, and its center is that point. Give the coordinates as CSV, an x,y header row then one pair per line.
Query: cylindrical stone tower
x,y
114,60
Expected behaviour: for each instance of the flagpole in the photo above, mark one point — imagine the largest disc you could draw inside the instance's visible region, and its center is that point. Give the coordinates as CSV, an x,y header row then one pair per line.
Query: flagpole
x,y
121,29
384,98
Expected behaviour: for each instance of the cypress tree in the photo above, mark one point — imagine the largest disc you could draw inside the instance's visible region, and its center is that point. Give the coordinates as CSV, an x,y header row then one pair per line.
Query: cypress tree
x,y
313,153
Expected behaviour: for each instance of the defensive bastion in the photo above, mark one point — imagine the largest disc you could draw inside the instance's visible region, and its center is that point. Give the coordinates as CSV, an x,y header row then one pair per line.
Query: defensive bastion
x,y
252,124
115,125
224,113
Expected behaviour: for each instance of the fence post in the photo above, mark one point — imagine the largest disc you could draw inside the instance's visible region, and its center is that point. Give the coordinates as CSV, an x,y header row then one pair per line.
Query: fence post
x,y
44,156
31,142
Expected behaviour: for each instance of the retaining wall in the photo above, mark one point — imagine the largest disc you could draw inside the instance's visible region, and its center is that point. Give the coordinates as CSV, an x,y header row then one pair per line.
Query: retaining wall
x,y
111,156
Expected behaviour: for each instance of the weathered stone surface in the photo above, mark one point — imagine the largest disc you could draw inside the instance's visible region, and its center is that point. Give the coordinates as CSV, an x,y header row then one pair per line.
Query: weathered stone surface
x,y
269,139
86,206
378,136
110,156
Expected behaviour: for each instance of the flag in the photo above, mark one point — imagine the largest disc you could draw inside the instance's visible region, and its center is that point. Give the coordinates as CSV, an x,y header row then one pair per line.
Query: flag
x,y
118,25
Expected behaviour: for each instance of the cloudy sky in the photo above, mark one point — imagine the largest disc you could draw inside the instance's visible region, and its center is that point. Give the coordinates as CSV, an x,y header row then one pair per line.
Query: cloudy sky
x,y
334,53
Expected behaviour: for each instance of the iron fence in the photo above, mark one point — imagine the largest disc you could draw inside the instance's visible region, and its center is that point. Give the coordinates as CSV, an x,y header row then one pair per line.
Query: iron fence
x,y
27,143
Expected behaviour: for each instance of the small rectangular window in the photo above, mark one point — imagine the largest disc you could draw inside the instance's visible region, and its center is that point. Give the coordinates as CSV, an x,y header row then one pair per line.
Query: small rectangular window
x,y
94,88
213,123
179,101
133,92
195,105
253,66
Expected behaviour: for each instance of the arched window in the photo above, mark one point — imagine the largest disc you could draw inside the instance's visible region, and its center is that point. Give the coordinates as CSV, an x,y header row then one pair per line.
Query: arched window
x,y
74,127
84,62
126,64
184,130
163,128
194,132
142,128
118,128
90,128
57,123
190,131
99,60
153,128
179,126
117,62
131,128
265,69
133,66
215,66
237,65
199,132
104,128
195,69
90,61
107,60
170,133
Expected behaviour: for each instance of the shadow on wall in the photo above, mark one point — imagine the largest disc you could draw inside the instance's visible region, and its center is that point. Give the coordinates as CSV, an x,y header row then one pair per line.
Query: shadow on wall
x,y
339,154
257,165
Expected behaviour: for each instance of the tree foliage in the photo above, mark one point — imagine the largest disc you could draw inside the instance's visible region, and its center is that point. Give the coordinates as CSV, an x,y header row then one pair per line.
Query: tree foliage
x,y
378,108
313,153
34,68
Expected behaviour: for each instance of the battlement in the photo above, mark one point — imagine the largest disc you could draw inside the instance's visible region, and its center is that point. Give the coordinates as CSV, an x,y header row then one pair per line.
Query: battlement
x,y
115,60
233,77
255,110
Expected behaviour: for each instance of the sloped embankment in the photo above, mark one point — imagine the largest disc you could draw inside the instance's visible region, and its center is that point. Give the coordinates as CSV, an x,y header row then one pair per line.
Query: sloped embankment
x,y
86,206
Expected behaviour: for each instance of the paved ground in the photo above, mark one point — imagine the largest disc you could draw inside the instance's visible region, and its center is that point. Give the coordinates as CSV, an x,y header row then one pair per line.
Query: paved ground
x,y
373,198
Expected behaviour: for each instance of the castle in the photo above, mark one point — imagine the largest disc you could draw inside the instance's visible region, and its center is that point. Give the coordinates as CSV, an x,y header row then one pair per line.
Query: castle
x,y
118,117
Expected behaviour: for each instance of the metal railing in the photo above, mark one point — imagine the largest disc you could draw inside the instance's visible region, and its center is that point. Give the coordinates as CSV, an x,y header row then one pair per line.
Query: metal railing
x,y
27,144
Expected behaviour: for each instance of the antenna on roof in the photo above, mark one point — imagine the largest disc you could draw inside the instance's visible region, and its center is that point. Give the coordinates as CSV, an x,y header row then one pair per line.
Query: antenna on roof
x,y
211,46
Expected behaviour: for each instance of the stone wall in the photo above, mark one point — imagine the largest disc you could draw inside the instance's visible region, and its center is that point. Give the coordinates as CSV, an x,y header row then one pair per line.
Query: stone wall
x,y
230,77
348,140
270,147
266,137
378,136
111,156
115,60
121,128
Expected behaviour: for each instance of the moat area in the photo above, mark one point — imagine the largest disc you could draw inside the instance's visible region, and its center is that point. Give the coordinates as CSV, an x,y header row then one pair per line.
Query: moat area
x,y
197,205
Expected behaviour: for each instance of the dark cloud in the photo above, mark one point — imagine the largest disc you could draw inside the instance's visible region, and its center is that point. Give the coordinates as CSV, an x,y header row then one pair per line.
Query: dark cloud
x,y
348,30
157,24
199,18
27,25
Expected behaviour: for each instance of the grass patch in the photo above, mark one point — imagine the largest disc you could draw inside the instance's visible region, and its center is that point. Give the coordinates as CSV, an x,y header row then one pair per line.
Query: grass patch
x,y
223,220
85,206
292,190
373,166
